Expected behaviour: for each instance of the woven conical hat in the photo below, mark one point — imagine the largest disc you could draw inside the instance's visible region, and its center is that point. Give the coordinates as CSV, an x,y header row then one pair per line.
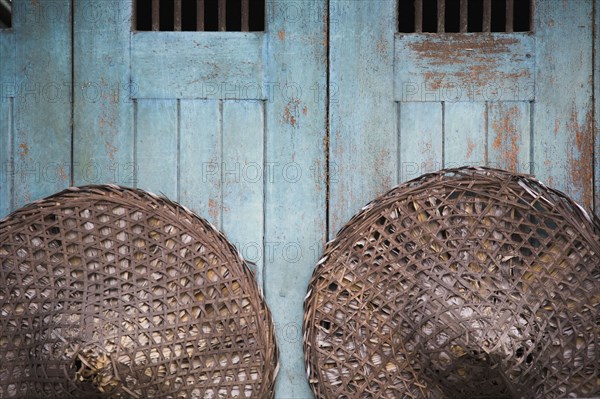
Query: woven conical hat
x,y
465,283
114,292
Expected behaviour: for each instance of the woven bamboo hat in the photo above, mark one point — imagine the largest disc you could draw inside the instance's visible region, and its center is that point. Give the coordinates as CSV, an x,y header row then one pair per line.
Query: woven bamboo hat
x,y
110,292
465,283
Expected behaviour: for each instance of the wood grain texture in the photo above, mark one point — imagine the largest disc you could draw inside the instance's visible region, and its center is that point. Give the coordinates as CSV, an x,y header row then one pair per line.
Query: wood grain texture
x,y
421,139
200,158
103,109
464,67
157,147
295,191
597,109
7,95
362,111
464,134
242,177
509,136
42,108
563,111
6,165
214,65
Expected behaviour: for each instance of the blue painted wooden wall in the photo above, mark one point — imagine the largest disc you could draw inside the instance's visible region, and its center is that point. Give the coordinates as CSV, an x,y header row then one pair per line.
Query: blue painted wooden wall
x,y
279,137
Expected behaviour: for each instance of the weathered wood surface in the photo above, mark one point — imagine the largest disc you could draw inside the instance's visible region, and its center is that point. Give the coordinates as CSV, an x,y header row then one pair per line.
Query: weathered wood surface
x,y
156,146
295,190
563,139
7,97
42,107
201,158
242,178
597,108
421,139
103,110
509,136
465,125
363,114
464,67
212,65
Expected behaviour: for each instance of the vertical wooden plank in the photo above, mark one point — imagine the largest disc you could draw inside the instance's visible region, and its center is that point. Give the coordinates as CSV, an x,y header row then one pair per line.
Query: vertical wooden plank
x,y
487,16
441,16
7,95
363,128
464,134
421,139
103,108
177,15
200,158
222,15
245,15
156,147
242,176
510,12
597,107
42,108
155,15
563,111
464,16
200,15
6,164
295,184
418,16
509,136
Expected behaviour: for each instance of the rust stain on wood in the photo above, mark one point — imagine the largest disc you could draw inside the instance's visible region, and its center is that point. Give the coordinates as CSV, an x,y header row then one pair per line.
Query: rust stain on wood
x,y
581,163
470,148
213,209
281,35
291,112
479,75
110,150
62,173
449,46
506,141
23,150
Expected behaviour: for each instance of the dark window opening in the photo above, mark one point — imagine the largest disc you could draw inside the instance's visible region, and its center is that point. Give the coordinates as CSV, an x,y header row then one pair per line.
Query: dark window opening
x,y
200,15
429,16
453,16
5,14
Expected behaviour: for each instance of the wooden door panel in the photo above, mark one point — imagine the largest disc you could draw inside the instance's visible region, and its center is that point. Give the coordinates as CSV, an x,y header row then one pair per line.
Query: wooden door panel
x,y
215,65
103,139
509,136
200,158
597,109
563,139
296,195
42,105
7,97
363,116
421,139
464,67
156,146
242,175
465,125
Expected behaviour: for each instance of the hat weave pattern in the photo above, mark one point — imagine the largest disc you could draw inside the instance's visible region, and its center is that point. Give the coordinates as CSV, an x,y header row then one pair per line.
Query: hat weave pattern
x,y
464,283
111,292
